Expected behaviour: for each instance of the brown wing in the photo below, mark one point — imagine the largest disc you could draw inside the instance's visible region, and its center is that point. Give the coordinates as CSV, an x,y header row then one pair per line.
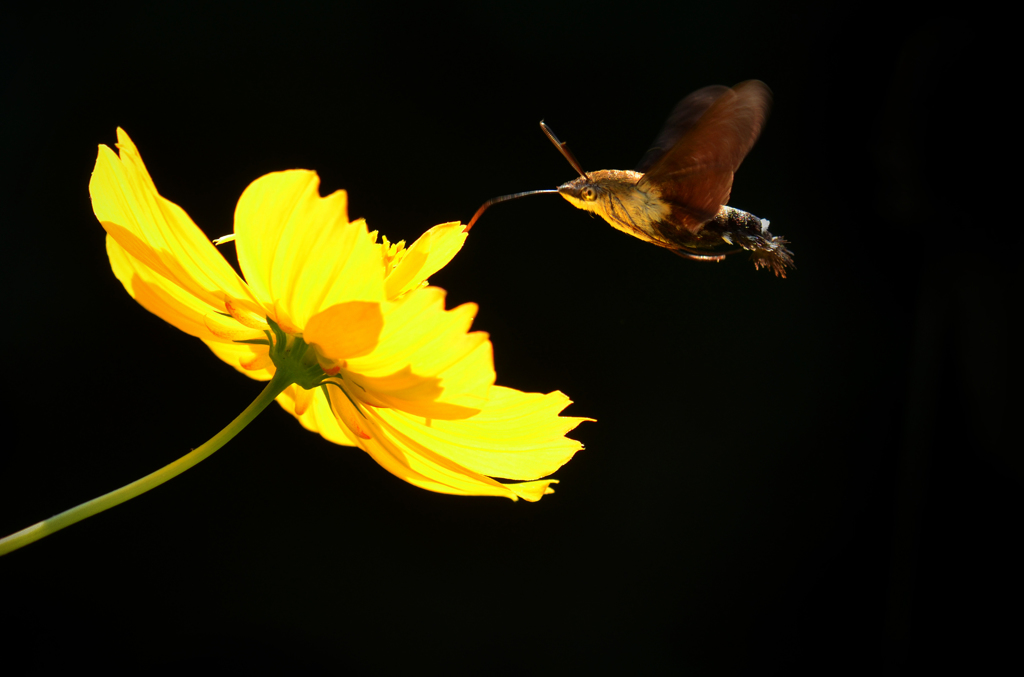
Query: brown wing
x,y
683,117
695,175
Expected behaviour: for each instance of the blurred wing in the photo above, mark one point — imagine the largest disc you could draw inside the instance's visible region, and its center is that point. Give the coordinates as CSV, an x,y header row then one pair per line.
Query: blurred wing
x,y
683,117
695,175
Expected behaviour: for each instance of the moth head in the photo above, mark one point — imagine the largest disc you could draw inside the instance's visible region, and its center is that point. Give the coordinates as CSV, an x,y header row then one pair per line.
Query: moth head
x,y
582,193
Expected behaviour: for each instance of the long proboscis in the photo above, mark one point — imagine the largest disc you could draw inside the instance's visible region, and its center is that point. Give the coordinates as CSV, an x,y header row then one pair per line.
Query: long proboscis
x,y
503,198
566,153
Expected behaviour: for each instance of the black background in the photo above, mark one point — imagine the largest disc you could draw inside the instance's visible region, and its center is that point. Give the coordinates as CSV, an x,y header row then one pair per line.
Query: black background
x,y
813,474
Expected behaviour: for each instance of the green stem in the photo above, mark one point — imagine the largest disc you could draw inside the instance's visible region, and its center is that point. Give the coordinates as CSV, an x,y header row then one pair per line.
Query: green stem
x,y
48,526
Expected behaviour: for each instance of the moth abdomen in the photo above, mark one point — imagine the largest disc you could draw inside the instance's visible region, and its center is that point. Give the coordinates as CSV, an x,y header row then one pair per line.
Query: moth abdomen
x,y
743,229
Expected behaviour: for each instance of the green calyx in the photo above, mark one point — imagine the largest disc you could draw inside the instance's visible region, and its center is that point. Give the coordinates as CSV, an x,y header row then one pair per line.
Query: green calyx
x,y
294,359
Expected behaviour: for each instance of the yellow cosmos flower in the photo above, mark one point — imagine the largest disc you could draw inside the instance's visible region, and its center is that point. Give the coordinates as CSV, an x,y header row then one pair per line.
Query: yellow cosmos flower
x,y
396,374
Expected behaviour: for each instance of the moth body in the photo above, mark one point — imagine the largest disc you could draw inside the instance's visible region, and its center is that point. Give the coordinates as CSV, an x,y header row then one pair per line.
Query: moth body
x,y
636,208
613,195
678,195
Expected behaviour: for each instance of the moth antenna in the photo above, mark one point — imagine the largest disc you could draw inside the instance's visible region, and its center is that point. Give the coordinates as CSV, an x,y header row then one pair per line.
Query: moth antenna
x,y
563,149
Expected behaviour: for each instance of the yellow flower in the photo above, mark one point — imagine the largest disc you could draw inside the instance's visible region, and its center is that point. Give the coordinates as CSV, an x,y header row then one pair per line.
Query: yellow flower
x,y
406,380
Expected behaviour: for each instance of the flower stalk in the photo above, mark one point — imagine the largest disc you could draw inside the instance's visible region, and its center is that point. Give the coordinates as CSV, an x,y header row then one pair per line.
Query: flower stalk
x,y
281,380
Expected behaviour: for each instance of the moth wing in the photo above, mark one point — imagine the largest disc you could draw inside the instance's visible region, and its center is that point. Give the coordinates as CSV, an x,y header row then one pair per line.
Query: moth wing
x,y
695,175
683,117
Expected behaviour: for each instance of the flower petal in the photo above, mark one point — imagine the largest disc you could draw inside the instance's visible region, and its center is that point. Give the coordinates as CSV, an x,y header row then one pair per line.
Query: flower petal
x,y
316,415
517,435
173,304
532,491
433,467
426,361
155,294
298,250
251,360
157,233
447,457
425,467
427,255
345,330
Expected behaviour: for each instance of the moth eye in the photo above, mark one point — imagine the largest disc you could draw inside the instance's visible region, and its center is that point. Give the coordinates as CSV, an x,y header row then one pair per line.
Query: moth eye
x,y
588,194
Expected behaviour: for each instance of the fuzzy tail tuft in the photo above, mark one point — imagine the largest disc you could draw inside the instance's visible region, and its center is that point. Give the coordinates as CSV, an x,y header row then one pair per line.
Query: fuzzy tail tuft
x,y
772,253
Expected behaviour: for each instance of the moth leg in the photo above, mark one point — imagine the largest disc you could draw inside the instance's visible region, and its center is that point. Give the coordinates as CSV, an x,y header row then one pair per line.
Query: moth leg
x,y
694,255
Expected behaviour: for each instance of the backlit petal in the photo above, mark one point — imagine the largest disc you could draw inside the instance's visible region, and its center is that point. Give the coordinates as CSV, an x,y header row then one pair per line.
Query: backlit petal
x,y
253,361
298,251
517,435
434,468
426,360
316,416
156,232
345,330
532,491
452,456
427,468
158,295
427,255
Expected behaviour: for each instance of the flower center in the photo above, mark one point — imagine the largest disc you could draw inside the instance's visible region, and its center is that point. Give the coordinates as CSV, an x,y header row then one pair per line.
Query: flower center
x,y
392,253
